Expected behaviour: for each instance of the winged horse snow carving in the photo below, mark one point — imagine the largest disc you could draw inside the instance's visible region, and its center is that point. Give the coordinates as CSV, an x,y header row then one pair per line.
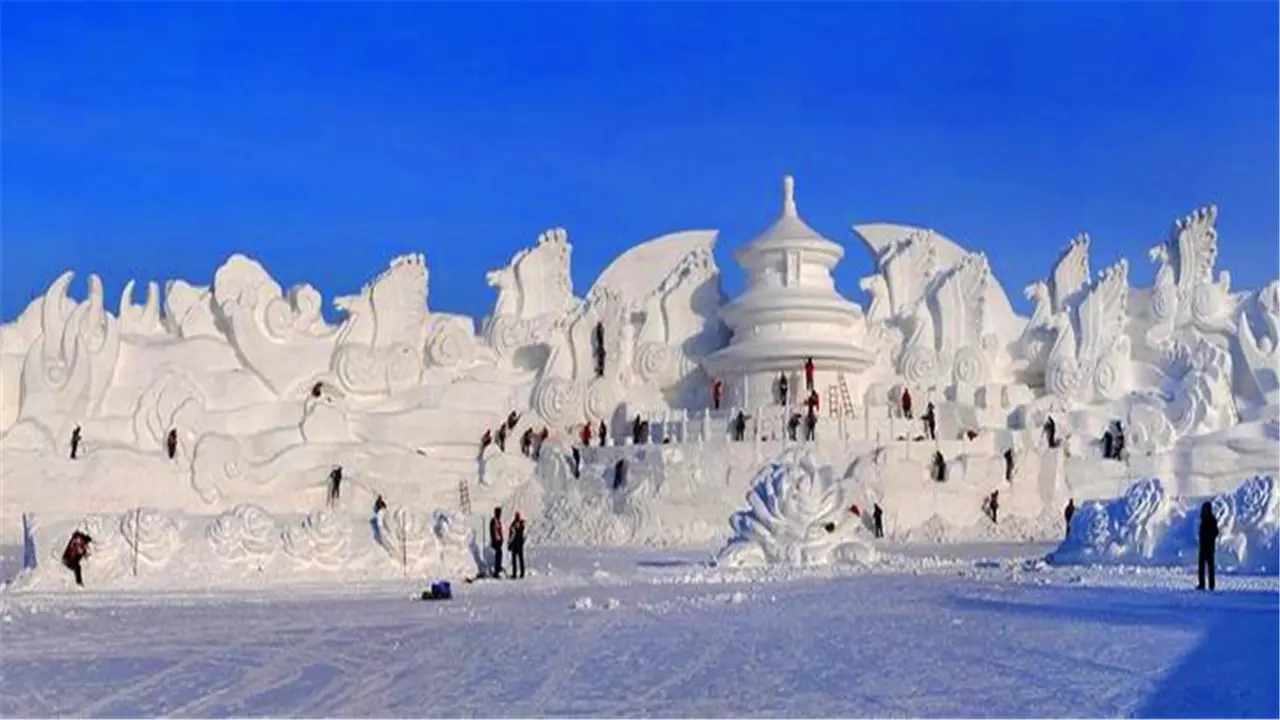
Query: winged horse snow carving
x,y
1093,364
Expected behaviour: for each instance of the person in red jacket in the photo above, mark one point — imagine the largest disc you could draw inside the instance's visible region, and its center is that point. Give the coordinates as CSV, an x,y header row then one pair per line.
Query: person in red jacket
x,y
808,374
585,435
717,394
77,550
495,540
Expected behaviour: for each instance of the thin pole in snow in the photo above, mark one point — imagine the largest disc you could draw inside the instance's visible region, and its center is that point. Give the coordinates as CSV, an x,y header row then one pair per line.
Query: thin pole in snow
x,y
137,518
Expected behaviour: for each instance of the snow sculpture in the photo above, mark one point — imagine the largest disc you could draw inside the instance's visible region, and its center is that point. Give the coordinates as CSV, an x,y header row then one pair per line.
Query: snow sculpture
x,y
379,348
534,291
408,536
456,542
189,311
281,337
244,533
140,321
173,401
1093,364
797,516
949,342
1185,293
67,370
151,534
320,539
1146,527
1262,352
1063,291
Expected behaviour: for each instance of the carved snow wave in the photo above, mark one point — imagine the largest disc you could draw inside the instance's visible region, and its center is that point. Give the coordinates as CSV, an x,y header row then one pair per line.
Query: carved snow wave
x,y
797,516
1149,527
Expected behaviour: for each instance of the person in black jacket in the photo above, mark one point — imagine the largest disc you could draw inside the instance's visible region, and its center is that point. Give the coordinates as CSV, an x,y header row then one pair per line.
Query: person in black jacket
x,y
1208,542
516,545
1069,513
877,517
75,441
171,443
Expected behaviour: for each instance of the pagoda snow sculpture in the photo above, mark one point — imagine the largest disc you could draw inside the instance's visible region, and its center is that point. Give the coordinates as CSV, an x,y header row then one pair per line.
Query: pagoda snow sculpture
x,y
790,312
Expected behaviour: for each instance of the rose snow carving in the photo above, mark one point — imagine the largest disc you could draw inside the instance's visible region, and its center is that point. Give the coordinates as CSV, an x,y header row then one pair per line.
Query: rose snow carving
x,y
407,535
320,539
246,532
150,533
797,516
1145,503
455,540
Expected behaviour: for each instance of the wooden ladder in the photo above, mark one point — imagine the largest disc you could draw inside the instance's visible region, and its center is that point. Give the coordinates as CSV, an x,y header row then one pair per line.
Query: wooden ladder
x,y
846,402
464,497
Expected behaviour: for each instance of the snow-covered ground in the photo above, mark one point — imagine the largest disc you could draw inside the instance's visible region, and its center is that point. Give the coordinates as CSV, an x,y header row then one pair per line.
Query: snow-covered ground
x,y
983,630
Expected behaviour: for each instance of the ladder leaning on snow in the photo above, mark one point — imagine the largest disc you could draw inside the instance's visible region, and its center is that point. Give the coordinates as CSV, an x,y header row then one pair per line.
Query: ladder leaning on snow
x,y
846,402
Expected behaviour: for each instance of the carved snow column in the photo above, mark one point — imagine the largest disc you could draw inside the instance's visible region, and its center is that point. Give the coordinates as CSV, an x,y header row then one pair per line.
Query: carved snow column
x,y
790,312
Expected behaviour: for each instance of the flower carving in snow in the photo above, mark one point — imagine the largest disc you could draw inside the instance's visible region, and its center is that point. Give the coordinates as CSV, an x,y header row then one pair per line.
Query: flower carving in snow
x,y
1144,502
1255,502
407,535
319,539
245,532
150,533
455,540
797,516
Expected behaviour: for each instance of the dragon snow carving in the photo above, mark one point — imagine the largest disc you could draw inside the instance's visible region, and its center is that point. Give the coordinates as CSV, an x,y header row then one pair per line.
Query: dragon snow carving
x,y
1185,293
380,346
1089,360
534,292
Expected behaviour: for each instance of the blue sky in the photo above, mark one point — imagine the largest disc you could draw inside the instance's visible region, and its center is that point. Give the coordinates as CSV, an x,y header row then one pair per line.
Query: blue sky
x,y
150,141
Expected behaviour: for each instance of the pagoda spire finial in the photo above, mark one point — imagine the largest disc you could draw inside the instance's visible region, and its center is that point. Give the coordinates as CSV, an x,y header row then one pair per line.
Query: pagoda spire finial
x,y
789,196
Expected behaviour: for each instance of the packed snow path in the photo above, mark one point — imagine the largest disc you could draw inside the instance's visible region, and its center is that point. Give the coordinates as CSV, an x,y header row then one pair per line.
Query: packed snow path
x,y
660,637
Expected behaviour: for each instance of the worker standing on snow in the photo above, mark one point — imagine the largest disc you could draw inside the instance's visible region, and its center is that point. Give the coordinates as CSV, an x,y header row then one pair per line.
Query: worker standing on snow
x,y
379,505
335,484
877,518
906,403
585,435
717,394
603,432
171,443
808,374
1008,465
495,541
1051,432
501,438
75,441
782,389
1208,544
1068,514
930,418
77,550
516,546
526,442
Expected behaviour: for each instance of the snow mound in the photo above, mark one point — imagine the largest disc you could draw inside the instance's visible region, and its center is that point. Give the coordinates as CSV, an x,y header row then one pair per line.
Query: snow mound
x,y
1150,527
797,516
